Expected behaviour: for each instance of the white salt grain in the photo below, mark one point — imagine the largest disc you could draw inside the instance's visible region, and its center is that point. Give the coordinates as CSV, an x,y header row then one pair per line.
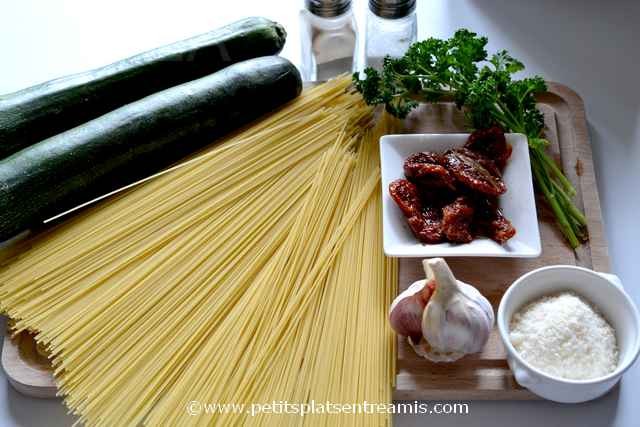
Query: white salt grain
x,y
562,335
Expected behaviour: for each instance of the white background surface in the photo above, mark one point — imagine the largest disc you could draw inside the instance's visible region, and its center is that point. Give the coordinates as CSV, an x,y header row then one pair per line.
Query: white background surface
x,y
592,46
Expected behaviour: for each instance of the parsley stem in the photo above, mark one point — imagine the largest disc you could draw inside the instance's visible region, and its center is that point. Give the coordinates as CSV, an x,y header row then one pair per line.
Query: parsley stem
x,y
541,181
555,170
573,210
515,123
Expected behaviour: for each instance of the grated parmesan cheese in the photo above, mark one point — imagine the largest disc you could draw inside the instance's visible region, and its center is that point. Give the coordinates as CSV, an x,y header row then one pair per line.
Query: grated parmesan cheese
x,y
562,335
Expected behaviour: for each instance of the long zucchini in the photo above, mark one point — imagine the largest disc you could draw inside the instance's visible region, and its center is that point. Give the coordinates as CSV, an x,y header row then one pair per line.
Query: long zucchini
x,y
41,111
137,139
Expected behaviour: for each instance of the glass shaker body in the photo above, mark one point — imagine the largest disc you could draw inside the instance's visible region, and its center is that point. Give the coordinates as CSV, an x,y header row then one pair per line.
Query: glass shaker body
x,y
388,36
328,45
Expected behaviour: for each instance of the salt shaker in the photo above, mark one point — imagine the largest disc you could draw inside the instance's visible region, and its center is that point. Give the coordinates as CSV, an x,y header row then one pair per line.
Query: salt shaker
x,y
328,38
391,29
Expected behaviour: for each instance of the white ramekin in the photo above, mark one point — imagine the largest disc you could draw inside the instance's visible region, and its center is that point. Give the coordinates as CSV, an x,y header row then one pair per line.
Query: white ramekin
x,y
606,294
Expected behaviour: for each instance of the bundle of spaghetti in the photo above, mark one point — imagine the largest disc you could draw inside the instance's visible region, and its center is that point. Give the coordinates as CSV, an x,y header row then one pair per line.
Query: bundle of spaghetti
x,y
244,274
332,343
345,348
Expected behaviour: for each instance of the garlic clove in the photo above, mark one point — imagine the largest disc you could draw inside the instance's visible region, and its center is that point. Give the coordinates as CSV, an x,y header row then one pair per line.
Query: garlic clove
x,y
405,313
457,319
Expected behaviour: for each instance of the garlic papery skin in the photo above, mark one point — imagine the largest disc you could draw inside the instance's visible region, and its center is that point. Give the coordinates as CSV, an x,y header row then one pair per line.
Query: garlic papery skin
x,y
457,319
406,311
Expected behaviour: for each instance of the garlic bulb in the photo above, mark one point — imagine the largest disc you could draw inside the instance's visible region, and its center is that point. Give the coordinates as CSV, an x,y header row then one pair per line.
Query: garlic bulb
x,y
456,319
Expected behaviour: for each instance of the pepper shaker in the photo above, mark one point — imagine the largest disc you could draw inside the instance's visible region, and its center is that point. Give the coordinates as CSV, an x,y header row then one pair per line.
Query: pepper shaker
x,y
391,29
328,38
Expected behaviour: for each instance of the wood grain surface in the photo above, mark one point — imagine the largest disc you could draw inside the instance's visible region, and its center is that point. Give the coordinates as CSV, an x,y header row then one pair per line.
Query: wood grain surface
x,y
27,371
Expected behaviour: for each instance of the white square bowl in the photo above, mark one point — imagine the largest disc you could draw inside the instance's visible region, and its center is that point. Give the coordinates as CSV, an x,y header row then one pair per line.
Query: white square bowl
x,y
518,203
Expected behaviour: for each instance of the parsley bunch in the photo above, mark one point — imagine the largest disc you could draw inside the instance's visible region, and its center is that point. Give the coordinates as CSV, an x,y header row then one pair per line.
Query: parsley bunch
x,y
459,70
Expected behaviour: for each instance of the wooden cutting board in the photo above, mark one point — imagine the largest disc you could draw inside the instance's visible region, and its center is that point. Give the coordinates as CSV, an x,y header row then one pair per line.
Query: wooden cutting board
x,y
482,376
486,375
27,371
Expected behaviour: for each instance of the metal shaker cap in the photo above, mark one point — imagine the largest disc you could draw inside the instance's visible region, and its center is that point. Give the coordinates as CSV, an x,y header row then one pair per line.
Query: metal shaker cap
x,y
392,9
328,8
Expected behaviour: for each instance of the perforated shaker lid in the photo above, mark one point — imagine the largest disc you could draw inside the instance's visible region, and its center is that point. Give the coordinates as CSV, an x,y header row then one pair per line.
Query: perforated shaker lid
x,y
392,9
328,8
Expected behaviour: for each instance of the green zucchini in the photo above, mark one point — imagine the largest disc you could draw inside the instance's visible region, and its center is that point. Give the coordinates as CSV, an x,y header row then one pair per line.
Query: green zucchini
x,y
41,111
136,140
